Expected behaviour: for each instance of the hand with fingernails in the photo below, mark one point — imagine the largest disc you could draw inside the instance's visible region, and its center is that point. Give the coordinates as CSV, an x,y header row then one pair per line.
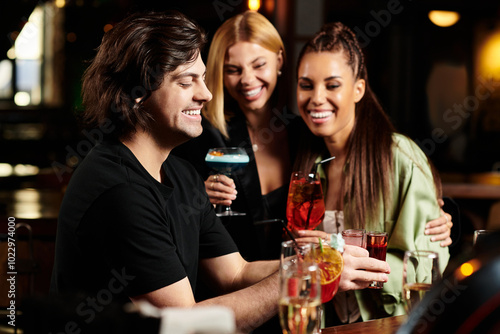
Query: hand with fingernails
x,y
220,189
359,271
440,229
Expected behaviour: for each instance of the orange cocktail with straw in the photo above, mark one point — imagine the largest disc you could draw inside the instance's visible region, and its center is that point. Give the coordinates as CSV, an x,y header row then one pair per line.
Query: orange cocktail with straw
x,y
331,264
305,208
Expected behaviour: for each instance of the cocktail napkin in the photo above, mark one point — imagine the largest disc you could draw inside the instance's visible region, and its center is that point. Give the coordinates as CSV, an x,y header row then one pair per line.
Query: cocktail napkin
x,y
199,320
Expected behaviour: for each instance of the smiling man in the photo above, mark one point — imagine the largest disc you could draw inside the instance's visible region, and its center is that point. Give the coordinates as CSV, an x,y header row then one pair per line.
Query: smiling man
x,y
136,222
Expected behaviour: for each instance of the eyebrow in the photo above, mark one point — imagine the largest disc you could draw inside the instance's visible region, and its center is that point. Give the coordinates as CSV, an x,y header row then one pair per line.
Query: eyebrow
x,y
187,74
253,61
326,79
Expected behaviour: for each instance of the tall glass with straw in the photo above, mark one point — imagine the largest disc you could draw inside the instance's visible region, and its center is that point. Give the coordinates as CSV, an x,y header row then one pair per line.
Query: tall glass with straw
x,y
305,205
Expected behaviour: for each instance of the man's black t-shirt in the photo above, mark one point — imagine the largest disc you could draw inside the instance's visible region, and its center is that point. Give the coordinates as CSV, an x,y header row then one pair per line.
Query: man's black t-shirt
x,y
121,233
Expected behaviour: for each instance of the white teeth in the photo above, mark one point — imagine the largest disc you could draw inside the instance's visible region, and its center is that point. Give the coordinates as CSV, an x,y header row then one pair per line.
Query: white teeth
x,y
192,112
320,114
252,92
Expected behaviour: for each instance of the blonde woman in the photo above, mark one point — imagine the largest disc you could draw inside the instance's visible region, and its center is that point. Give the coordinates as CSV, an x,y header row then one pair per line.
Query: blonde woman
x,y
244,74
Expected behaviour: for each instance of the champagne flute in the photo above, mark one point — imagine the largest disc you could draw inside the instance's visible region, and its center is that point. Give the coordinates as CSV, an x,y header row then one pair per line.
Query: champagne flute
x,y
420,272
328,260
292,252
299,296
305,208
227,160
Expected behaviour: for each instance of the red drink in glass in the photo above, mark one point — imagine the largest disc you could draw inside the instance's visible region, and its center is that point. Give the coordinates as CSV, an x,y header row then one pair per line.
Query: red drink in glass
x,y
376,245
305,206
329,284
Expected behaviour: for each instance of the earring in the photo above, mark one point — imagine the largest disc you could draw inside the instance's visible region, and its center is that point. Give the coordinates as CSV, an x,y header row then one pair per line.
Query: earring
x,y
279,73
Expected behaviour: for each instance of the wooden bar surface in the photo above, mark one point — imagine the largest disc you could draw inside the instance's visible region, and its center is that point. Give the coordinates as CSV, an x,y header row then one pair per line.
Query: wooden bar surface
x,y
380,326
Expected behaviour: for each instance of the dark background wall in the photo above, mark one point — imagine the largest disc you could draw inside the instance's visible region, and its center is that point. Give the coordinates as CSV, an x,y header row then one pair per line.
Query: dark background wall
x,y
405,53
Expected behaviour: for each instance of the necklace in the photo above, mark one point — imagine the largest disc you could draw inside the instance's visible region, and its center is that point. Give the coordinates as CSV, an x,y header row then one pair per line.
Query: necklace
x,y
253,137
261,138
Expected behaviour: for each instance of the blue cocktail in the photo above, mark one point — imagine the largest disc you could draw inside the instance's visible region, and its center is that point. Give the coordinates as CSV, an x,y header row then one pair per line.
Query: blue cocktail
x,y
226,160
226,163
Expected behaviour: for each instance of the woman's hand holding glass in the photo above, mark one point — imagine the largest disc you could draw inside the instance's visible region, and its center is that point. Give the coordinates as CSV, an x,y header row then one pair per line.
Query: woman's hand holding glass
x,y
221,189
225,160
359,270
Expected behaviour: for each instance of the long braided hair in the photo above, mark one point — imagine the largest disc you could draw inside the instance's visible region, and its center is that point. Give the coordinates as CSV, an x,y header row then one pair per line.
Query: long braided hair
x,y
368,171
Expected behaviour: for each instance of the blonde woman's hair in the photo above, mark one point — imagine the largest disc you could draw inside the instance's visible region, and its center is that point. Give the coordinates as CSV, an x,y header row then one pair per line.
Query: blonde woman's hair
x,y
250,27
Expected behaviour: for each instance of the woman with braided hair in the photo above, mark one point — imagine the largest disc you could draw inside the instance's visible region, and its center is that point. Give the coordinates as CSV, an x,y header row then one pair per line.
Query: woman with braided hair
x,y
380,180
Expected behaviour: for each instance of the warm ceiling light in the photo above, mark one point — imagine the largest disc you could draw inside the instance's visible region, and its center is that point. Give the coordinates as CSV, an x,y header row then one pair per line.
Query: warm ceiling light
x,y
60,3
443,18
253,4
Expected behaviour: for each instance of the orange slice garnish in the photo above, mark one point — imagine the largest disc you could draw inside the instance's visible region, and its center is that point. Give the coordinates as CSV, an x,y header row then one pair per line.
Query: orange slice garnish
x,y
216,153
330,262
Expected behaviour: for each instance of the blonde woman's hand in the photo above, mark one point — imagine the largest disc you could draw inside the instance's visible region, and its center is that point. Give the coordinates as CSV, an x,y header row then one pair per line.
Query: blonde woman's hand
x,y
220,189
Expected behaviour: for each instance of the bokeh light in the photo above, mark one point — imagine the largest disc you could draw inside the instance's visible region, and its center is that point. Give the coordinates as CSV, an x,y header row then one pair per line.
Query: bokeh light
x,y
443,18
254,4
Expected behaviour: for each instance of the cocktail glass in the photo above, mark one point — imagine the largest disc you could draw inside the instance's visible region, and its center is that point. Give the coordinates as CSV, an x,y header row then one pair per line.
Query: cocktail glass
x,y
331,264
305,205
227,160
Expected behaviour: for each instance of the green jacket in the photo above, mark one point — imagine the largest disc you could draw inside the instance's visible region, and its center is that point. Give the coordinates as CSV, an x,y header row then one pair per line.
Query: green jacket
x,y
414,203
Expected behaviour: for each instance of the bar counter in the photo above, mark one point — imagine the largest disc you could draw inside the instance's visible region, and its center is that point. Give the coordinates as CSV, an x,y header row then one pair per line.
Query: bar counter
x,y
382,326
472,191
472,186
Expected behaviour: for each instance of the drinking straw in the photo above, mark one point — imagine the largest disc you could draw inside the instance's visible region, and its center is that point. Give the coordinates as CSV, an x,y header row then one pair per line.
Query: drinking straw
x,y
315,167
289,233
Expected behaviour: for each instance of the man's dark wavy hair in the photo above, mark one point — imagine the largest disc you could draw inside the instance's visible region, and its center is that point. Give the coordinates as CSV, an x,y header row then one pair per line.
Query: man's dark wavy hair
x,y
131,63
